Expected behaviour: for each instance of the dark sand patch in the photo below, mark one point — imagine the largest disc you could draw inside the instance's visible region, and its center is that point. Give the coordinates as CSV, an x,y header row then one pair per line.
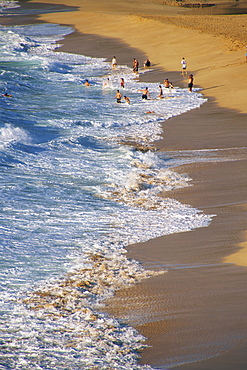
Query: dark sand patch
x,y
199,305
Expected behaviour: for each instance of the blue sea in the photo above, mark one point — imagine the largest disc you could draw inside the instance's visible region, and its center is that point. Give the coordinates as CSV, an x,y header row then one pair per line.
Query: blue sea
x,y
80,181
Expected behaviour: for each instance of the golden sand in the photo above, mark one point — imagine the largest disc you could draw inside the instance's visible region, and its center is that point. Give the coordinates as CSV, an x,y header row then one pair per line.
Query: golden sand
x,y
240,257
212,45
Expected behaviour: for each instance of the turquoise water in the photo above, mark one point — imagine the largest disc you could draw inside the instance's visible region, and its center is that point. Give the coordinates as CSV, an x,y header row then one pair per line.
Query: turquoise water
x,y
73,196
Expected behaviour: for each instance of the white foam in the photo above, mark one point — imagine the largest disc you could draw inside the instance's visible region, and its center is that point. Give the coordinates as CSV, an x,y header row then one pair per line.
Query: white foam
x,y
8,4
88,185
10,134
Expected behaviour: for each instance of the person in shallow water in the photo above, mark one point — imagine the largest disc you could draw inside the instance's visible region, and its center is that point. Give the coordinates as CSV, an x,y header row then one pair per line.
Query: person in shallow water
x,y
190,82
122,83
118,96
127,99
167,83
160,96
114,62
135,65
106,83
145,93
87,83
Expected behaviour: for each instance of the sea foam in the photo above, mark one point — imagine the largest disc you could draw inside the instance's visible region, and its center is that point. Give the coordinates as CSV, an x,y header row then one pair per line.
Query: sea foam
x,y
81,180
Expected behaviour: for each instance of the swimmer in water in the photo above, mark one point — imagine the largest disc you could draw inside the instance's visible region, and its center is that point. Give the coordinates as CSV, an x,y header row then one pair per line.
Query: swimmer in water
x,y
127,99
106,84
7,95
87,83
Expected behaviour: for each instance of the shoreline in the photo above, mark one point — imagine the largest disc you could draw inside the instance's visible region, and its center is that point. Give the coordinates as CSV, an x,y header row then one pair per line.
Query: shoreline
x,y
166,34
213,191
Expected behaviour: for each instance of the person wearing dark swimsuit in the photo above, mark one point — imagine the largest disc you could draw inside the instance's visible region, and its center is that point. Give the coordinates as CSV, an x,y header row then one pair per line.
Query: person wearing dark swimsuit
x,y
191,82
145,93
118,96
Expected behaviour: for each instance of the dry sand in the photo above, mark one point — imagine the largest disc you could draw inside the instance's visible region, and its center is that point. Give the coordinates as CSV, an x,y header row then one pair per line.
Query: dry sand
x,y
199,306
217,62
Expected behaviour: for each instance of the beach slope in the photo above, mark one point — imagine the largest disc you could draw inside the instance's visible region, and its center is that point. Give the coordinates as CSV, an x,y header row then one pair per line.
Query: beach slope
x,y
196,310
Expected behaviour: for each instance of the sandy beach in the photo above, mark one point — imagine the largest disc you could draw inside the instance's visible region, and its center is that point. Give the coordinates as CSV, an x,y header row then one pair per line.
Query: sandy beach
x,y
201,302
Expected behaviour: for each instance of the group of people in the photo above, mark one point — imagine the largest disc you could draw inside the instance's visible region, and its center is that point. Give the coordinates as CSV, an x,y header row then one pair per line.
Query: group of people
x,y
118,96
147,63
184,73
135,65
145,95
145,92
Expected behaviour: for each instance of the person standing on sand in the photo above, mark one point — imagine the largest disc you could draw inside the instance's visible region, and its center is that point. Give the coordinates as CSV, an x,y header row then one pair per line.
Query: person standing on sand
x,y
114,62
184,66
246,54
118,96
190,82
135,65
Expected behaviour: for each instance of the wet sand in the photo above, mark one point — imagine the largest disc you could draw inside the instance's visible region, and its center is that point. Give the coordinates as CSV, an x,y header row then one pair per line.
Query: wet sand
x,y
198,309
199,306
213,47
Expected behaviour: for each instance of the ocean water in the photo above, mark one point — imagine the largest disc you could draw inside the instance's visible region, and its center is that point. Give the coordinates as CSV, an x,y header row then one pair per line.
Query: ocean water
x,y
80,180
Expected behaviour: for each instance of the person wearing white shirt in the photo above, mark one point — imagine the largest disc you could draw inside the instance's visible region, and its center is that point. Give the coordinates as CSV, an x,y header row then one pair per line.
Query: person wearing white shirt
x,y
184,66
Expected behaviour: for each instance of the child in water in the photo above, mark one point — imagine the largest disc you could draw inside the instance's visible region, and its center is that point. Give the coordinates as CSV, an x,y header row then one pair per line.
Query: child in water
x,y
127,99
122,83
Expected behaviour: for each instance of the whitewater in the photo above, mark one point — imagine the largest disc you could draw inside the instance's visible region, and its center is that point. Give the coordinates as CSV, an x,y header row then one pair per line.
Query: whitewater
x,y
80,181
